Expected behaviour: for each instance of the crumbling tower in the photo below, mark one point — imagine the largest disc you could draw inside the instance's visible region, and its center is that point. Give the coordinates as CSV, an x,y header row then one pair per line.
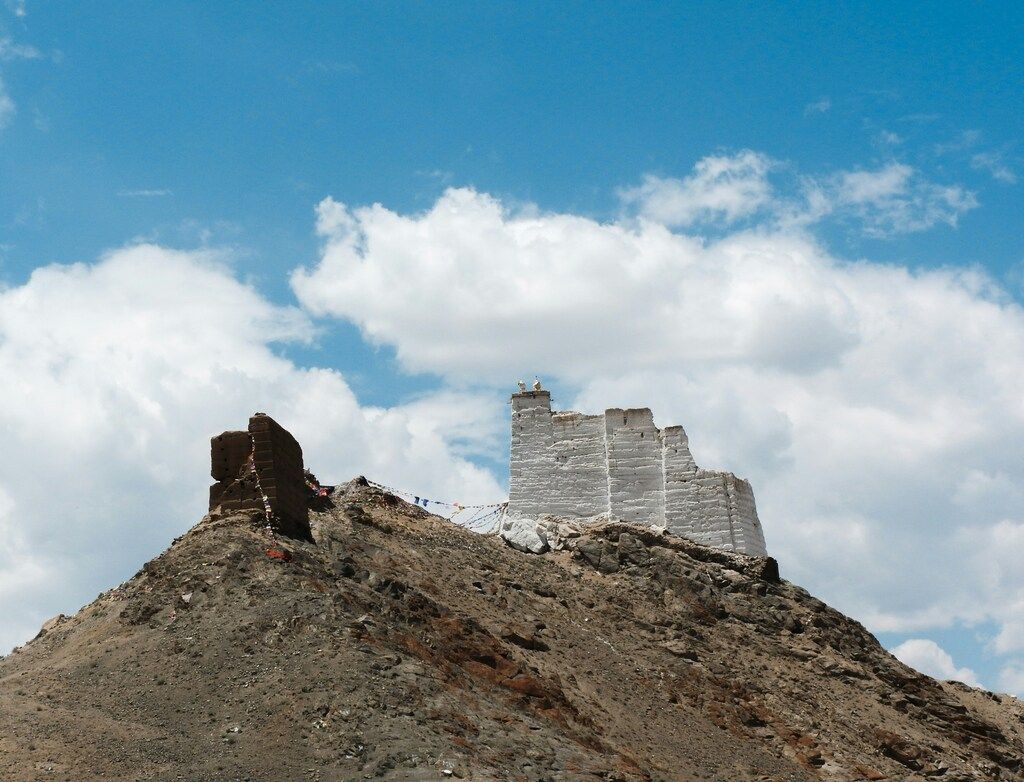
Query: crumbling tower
x,y
261,469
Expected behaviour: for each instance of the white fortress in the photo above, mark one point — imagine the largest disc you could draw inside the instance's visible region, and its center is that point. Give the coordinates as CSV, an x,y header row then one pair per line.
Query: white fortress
x,y
620,465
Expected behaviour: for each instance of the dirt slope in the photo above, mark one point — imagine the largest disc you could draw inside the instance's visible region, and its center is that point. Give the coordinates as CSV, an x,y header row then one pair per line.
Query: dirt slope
x,y
400,647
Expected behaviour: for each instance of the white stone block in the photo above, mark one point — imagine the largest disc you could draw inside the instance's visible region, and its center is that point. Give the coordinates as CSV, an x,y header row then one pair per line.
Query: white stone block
x,y
524,535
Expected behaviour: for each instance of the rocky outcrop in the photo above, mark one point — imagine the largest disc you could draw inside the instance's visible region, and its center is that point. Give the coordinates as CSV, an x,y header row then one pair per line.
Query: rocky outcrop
x,y
536,536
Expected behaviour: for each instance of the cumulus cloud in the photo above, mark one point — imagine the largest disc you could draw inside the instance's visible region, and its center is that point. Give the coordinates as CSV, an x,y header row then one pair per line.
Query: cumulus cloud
x,y
721,187
596,286
116,375
892,199
877,409
1011,680
930,658
883,202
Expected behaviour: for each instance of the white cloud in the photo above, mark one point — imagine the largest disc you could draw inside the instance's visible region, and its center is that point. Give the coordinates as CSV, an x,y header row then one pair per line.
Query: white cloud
x,y
893,199
723,188
16,7
999,493
1011,635
965,139
22,573
864,187
1011,680
888,138
7,107
992,161
116,375
152,193
930,658
995,164
877,409
819,106
11,50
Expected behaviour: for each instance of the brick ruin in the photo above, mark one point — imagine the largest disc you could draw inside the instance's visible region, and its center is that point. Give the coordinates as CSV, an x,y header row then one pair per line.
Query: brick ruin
x,y
261,469
619,464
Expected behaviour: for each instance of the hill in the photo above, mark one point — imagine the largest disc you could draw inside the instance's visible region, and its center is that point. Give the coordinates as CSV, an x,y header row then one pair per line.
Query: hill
x,y
396,645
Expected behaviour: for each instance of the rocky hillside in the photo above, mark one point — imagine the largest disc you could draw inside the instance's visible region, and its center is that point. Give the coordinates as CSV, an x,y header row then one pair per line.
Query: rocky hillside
x,y
397,646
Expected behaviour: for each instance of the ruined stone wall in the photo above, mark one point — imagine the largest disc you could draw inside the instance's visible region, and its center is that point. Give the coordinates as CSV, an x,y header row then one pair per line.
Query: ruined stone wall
x,y
682,501
263,462
636,478
531,465
580,485
620,464
229,454
277,457
558,463
711,525
748,537
230,466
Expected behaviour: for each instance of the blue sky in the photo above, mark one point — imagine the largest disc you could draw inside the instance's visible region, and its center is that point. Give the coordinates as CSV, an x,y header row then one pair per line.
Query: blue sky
x,y
248,116
867,148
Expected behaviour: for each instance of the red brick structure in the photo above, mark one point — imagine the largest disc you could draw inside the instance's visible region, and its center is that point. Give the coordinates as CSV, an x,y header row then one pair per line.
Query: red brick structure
x,y
261,469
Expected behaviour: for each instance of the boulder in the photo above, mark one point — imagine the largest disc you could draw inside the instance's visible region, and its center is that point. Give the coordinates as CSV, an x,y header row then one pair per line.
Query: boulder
x,y
524,535
556,532
599,553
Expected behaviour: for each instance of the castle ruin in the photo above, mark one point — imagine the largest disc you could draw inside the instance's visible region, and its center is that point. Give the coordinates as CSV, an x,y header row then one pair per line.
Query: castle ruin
x,y
616,465
620,465
261,469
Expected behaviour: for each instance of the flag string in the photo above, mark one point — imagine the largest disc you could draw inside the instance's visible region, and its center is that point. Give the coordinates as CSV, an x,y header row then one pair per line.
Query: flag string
x,y
425,501
486,518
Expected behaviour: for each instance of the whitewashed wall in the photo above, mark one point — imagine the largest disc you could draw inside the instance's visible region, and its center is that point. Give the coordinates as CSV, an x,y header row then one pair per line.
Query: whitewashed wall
x,y
636,477
580,465
531,466
620,464
682,499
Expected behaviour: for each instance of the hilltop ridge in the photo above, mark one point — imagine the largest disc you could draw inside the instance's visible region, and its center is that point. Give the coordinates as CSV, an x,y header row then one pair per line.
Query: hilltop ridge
x,y
395,645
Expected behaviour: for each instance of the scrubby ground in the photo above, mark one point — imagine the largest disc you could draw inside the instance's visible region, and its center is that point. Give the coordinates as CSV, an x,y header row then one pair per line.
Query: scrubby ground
x,y
398,646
